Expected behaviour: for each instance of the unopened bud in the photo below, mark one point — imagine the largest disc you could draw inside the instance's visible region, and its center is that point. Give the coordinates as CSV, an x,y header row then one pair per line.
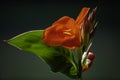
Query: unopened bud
x,y
88,61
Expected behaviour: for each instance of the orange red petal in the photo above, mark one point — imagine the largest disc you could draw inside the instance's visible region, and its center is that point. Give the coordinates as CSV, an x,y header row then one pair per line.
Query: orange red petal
x,y
66,31
82,15
62,33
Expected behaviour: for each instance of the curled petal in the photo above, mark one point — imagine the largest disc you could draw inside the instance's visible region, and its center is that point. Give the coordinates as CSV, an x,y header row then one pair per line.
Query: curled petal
x,y
82,15
81,20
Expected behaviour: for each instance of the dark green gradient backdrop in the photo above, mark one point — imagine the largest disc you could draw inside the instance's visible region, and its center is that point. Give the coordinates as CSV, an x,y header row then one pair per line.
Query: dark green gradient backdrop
x,y
18,17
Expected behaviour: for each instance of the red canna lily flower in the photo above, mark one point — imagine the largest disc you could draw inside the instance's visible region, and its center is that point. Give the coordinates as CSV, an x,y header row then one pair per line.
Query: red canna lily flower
x,y
67,32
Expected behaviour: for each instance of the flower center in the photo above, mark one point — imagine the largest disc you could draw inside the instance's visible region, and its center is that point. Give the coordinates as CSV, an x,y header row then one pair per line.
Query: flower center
x,y
67,32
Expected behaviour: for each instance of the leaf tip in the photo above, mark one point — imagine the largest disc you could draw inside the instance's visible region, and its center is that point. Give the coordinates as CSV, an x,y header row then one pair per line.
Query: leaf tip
x,y
6,41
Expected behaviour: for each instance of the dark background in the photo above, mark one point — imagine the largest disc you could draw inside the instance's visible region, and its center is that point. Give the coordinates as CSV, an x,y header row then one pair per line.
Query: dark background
x,y
17,17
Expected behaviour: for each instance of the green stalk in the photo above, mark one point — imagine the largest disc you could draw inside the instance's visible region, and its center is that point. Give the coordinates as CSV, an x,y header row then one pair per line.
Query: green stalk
x,y
79,57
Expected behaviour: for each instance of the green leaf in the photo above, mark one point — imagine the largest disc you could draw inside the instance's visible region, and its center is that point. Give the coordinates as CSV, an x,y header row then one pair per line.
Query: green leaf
x,y
58,58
